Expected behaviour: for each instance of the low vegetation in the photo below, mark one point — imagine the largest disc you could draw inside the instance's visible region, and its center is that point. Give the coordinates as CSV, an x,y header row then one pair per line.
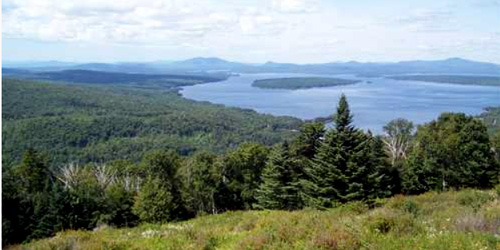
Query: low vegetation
x,y
301,82
467,219
455,79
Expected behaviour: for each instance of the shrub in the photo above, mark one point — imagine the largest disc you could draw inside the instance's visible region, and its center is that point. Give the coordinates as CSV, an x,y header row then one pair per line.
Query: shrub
x,y
474,198
477,223
402,203
336,238
411,207
386,220
356,207
497,189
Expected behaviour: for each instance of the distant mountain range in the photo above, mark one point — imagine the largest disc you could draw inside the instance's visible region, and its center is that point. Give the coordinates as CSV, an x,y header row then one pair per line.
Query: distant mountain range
x,y
201,65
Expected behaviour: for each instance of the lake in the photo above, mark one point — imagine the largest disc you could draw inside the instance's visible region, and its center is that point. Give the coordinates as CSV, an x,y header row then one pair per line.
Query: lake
x,y
372,104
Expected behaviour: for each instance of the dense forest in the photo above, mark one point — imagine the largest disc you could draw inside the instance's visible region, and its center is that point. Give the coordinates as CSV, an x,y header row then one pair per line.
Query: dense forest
x,y
101,123
455,79
301,82
319,168
113,78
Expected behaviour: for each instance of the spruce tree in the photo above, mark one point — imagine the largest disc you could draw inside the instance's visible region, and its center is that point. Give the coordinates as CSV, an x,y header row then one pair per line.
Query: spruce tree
x,y
269,195
345,167
309,140
280,185
302,151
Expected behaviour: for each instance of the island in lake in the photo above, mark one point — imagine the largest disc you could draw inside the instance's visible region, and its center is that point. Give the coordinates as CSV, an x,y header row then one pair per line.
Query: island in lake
x,y
454,79
301,82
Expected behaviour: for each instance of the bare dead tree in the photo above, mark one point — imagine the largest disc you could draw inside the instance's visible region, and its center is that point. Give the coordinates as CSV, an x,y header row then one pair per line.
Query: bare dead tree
x,y
69,175
397,140
104,175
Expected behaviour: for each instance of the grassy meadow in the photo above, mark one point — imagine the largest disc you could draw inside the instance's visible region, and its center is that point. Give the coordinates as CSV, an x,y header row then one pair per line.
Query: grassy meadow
x,y
467,219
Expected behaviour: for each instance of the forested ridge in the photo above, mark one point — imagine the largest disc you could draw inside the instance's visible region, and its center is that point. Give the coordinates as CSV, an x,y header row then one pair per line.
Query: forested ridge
x,y
129,184
93,77
101,123
452,79
301,82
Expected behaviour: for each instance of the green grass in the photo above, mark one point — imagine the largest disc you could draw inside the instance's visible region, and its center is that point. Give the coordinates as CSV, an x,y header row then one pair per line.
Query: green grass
x,y
301,82
468,219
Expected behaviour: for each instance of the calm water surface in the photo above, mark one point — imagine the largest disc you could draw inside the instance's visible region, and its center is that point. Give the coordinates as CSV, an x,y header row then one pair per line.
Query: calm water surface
x,y
372,104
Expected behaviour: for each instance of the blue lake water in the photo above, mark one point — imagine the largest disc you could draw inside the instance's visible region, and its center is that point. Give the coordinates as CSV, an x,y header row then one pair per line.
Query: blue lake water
x,y
372,104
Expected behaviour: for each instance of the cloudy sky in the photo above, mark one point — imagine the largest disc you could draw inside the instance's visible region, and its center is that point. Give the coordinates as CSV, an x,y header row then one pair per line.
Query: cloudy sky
x,y
300,31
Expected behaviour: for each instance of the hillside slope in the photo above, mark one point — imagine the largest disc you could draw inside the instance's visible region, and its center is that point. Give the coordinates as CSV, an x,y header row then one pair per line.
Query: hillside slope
x,y
102,123
468,219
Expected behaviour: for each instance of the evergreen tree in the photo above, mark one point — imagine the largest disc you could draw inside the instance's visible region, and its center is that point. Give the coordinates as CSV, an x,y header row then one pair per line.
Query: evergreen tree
x,y
345,167
270,193
387,177
34,172
280,187
309,140
26,199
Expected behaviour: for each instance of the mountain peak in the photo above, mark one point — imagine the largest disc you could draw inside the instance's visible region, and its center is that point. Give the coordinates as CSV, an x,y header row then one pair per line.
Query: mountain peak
x,y
456,59
205,60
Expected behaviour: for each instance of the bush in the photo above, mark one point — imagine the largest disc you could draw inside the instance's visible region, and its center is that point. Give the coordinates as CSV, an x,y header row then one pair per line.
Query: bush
x,y
477,223
386,220
356,207
336,238
497,189
402,203
474,198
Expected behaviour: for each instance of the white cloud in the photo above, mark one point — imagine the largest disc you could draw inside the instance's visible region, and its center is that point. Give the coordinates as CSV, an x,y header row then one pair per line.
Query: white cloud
x,y
111,21
260,30
429,20
296,6
136,21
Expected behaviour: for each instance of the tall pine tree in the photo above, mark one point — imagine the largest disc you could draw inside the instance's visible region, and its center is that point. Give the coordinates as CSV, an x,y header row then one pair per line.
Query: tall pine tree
x,y
280,187
346,167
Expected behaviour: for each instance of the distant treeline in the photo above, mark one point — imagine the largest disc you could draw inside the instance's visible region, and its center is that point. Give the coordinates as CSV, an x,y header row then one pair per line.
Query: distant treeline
x,y
318,168
301,82
113,78
455,79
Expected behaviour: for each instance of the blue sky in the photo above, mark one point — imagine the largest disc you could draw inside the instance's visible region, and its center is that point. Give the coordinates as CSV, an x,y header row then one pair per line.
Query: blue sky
x,y
299,31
